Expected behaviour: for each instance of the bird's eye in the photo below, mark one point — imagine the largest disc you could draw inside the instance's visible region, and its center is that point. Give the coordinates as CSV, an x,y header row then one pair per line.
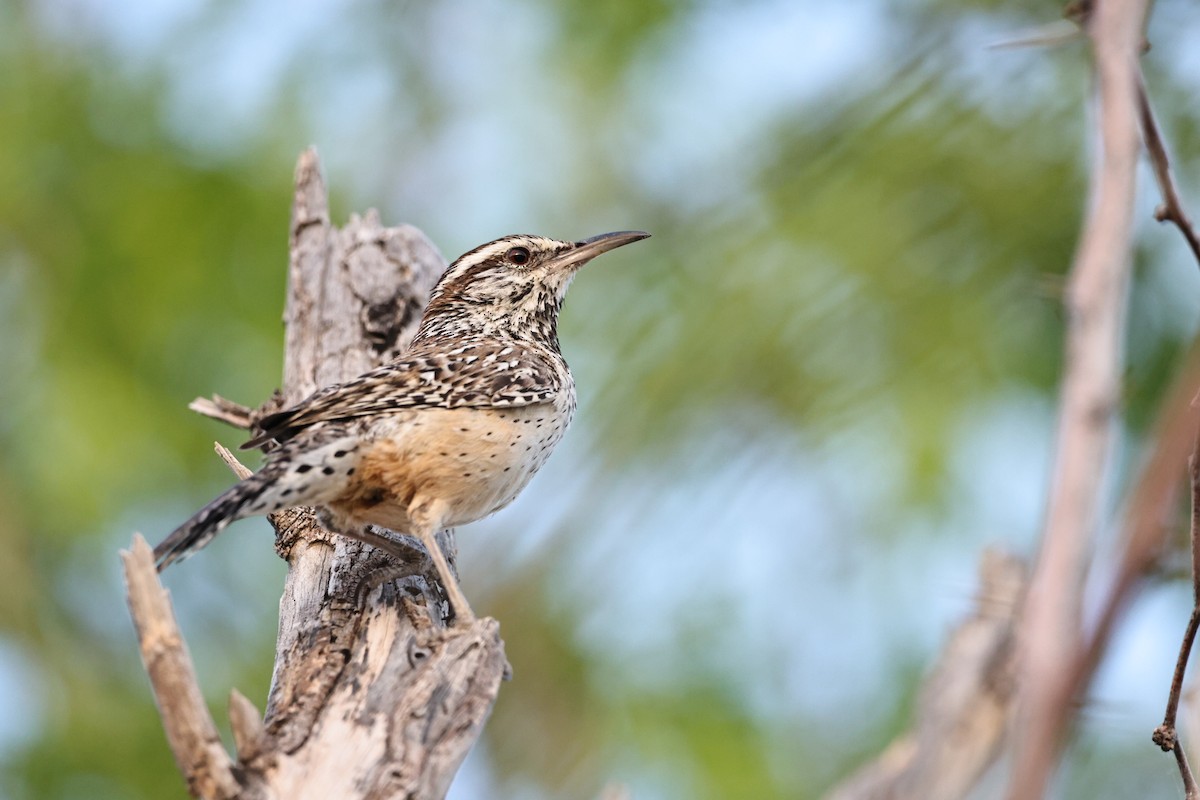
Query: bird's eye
x,y
518,256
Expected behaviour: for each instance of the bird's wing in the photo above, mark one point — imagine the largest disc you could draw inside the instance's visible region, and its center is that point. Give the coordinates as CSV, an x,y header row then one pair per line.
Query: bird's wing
x,y
478,376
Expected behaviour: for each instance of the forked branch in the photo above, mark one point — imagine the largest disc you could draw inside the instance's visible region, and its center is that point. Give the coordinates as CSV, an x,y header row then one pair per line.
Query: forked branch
x,y
1171,209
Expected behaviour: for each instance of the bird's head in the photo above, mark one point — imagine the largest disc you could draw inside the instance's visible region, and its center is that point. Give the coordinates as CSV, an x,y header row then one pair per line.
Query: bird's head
x,y
514,285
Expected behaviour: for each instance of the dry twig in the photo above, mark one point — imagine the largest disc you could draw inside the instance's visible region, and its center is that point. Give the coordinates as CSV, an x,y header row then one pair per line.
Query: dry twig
x,y
1171,209
1165,736
227,411
238,468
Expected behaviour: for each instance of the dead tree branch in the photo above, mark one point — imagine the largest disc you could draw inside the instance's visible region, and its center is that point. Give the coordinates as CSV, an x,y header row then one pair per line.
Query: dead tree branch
x,y
371,696
965,703
1096,299
191,732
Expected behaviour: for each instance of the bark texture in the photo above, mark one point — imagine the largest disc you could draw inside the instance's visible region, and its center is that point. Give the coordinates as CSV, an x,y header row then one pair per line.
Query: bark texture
x,y
372,696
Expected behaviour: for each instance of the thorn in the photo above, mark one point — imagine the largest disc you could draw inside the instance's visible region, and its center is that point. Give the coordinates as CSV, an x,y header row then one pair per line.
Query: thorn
x,y
1051,35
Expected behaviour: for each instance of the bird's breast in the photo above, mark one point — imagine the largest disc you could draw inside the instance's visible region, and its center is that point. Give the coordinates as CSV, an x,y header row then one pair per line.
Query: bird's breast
x,y
474,461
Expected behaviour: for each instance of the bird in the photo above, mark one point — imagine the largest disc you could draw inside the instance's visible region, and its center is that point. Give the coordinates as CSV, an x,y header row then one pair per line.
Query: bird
x,y
446,434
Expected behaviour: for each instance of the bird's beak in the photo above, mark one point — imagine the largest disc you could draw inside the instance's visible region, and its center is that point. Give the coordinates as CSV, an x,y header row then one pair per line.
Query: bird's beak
x,y
588,249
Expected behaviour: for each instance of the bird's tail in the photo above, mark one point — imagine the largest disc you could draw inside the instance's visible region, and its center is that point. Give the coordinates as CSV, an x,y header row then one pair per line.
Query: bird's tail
x,y
311,477
242,500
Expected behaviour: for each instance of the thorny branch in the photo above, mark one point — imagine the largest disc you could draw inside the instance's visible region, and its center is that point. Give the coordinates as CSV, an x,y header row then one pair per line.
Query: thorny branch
x,y
1171,210
1165,735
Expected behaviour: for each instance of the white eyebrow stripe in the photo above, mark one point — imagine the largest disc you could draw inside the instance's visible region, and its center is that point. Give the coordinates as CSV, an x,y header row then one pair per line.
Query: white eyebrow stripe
x,y
502,246
491,252
499,247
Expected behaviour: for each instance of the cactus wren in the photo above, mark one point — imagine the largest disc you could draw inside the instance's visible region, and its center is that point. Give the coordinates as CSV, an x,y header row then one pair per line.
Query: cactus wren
x,y
444,435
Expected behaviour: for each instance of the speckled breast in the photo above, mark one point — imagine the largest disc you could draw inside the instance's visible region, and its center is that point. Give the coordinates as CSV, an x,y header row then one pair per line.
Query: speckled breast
x,y
475,461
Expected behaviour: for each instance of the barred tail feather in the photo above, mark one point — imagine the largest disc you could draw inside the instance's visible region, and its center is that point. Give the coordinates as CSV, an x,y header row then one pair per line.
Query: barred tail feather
x,y
312,477
206,523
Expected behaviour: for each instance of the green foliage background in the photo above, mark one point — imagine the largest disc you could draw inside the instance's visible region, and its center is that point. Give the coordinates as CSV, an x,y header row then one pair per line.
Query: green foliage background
x,y
859,241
